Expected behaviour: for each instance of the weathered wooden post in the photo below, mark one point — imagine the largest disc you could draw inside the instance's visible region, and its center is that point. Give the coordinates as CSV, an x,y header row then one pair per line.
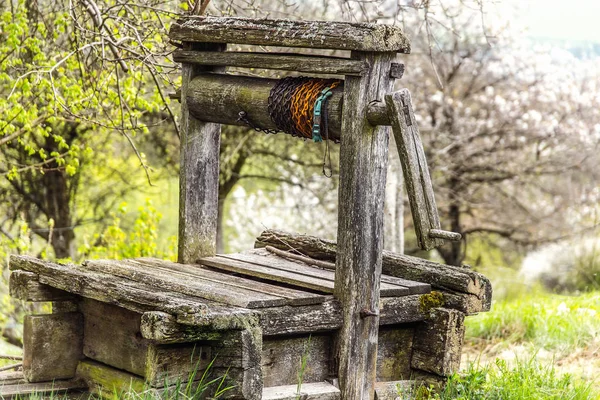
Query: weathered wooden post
x,y
363,167
199,173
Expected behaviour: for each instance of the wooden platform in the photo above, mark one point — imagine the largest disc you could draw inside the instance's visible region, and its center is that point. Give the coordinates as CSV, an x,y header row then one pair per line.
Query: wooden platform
x,y
285,295
148,324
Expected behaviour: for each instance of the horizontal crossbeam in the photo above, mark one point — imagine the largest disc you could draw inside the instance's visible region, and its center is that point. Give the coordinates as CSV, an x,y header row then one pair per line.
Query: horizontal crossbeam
x,y
286,33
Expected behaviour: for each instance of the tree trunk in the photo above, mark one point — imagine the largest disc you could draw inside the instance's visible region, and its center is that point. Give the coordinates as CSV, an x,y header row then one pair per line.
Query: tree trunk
x,y
58,197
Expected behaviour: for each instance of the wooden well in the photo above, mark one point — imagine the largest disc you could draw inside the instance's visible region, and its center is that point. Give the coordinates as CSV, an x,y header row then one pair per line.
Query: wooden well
x,y
361,320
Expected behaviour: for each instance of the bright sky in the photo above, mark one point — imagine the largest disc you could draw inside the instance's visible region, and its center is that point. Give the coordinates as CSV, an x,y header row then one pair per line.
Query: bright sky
x,y
560,19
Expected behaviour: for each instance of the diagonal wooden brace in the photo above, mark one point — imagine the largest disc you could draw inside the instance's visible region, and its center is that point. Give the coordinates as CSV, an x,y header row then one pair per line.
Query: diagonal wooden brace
x,y
416,173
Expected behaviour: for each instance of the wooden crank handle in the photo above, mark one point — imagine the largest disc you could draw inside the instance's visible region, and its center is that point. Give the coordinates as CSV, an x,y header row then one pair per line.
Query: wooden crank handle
x,y
441,234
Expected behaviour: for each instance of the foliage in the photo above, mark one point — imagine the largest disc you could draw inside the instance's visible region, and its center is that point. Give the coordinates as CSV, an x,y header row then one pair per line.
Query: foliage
x,y
551,322
141,241
527,380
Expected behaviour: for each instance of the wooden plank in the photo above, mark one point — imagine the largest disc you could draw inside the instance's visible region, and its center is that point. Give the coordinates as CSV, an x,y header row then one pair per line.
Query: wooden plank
x,y
438,342
394,352
178,283
439,276
11,378
25,286
236,356
106,381
282,359
266,259
52,346
271,32
280,61
58,387
363,168
271,274
308,391
388,282
414,167
285,320
163,328
195,271
133,296
198,173
124,347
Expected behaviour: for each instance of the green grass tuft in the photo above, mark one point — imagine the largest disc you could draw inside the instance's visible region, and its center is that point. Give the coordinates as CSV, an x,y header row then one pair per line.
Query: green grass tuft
x,y
552,322
524,381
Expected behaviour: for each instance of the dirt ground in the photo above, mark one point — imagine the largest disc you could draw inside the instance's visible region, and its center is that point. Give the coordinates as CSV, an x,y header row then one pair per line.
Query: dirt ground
x,y
581,363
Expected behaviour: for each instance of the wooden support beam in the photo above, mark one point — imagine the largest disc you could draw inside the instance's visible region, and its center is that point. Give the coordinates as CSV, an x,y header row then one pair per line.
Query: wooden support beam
x,y
464,287
280,61
198,175
438,342
415,169
52,346
25,286
286,33
363,168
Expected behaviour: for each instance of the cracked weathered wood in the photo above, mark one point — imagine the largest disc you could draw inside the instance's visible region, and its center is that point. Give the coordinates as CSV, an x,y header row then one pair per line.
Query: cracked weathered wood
x,y
268,266
282,359
198,173
52,346
280,61
414,167
439,276
220,98
236,353
286,33
52,390
102,379
196,271
438,342
123,347
178,282
363,168
134,296
288,320
25,286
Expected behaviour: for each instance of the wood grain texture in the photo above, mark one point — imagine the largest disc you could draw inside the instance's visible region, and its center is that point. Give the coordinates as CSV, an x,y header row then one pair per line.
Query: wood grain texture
x,y
363,168
438,342
163,328
286,33
178,282
439,276
308,391
282,359
198,174
394,352
135,296
52,389
52,346
25,286
112,336
414,167
104,381
280,61
389,286
195,271
220,98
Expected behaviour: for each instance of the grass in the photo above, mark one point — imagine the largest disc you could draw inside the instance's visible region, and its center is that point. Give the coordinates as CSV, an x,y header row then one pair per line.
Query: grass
x,y
552,322
525,380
